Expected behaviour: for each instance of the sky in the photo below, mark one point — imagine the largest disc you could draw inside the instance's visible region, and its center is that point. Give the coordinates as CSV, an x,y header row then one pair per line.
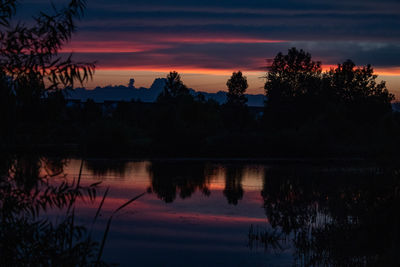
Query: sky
x,y
207,40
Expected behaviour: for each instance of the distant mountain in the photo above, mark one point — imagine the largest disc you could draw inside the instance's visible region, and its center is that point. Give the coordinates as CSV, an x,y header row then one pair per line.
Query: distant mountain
x,y
130,92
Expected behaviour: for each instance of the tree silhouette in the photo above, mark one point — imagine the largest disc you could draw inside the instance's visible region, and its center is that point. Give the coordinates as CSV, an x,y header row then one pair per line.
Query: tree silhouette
x,y
29,55
174,87
299,95
237,86
358,90
290,76
292,85
235,112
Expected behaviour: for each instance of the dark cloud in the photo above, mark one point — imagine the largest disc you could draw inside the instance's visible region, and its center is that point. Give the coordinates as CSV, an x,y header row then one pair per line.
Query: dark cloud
x,y
366,31
289,20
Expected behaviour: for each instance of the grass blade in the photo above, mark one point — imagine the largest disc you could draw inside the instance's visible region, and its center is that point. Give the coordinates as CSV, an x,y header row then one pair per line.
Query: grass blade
x,y
101,205
103,241
129,202
109,224
76,189
80,175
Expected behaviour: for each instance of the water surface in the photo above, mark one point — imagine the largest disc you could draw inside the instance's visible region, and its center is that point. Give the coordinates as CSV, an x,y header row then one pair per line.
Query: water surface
x,y
199,213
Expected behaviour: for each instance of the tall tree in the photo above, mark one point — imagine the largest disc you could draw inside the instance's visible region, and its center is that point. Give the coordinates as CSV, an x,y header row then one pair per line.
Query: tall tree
x,y
174,87
290,78
237,86
357,89
235,112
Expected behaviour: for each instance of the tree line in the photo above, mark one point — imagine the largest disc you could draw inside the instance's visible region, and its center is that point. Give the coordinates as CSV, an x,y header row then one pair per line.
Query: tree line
x,y
343,111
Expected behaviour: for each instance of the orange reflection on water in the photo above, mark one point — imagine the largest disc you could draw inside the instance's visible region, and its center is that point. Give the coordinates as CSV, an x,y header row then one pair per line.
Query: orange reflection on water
x,y
191,206
224,184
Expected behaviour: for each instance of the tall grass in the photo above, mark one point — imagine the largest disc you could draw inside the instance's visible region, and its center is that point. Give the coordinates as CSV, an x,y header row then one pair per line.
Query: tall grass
x,y
29,238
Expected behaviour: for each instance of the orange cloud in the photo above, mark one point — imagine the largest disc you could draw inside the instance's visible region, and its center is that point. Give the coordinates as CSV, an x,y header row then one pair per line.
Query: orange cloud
x,y
180,69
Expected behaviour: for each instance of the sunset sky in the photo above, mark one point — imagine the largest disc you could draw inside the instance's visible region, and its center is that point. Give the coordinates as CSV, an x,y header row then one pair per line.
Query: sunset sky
x,y
207,40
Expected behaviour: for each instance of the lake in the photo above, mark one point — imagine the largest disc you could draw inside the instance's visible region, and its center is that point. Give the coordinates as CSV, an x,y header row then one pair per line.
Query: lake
x,y
239,212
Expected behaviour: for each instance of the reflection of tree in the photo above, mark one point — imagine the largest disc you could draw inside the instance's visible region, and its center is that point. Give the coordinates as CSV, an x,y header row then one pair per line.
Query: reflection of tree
x,y
54,166
101,168
336,218
26,169
233,184
170,178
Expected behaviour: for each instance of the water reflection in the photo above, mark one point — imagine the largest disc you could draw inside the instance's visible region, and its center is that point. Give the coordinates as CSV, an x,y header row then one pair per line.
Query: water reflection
x,y
171,178
304,215
103,167
26,171
28,236
53,166
233,183
333,217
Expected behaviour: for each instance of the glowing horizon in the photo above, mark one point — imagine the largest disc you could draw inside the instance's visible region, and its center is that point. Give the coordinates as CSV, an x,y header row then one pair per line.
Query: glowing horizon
x,y
209,80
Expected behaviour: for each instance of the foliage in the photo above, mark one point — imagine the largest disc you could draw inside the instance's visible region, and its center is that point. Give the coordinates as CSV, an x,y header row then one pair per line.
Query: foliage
x,y
234,112
29,55
174,87
237,86
298,91
29,236
33,72
357,90
291,76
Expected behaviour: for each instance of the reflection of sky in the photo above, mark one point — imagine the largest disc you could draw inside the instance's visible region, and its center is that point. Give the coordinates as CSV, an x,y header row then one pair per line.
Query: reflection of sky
x,y
197,231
